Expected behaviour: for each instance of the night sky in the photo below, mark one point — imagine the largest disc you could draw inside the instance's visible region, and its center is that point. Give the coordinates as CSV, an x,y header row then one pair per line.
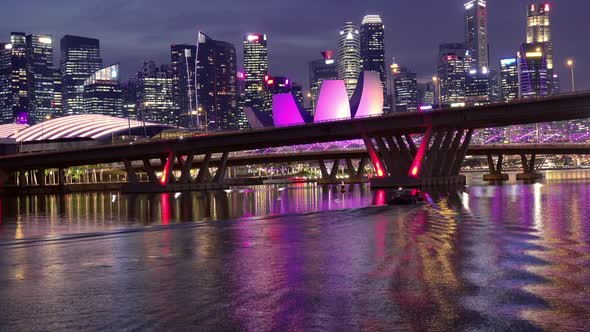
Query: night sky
x,y
135,30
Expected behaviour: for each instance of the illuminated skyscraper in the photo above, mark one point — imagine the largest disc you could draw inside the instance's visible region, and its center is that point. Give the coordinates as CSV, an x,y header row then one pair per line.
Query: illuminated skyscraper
x,y
103,94
155,94
182,58
373,48
40,71
20,78
255,68
349,56
426,93
453,66
80,58
406,91
320,70
476,33
477,87
539,28
532,69
6,114
56,103
509,78
217,84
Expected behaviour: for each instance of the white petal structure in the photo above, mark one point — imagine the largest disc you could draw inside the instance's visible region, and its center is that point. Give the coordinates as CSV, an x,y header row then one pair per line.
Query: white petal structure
x,y
286,111
332,102
87,126
367,99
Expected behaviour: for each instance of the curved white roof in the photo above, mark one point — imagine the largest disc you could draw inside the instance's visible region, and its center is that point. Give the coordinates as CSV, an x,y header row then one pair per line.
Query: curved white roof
x,y
8,130
86,126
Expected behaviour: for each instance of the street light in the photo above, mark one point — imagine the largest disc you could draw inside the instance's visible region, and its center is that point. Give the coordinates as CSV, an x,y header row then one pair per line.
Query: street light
x,y
570,64
436,82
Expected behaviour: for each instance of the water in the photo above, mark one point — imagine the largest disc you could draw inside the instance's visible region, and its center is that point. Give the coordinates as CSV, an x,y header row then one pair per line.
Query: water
x,y
510,257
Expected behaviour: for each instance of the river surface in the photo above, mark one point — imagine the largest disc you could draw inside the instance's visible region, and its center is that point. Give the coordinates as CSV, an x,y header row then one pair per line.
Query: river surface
x,y
508,257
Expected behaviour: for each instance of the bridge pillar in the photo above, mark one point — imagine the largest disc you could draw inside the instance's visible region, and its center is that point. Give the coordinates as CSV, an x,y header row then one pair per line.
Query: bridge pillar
x,y
131,174
22,181
204,173
151,173
61,177
437,161
495,169
186,165
221,170
529,169
329,177
41,181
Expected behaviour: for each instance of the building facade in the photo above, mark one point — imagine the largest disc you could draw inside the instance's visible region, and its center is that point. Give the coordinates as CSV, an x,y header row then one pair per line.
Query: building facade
x,y
509,79
255,69
103,93
349,56
373,48
183,63
320,70
80,58
40,72
476,33
532,69
406,91
217,85
477,87
155,94
453,66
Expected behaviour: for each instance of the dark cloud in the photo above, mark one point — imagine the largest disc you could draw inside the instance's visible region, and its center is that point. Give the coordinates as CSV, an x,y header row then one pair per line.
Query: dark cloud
x,y
134,30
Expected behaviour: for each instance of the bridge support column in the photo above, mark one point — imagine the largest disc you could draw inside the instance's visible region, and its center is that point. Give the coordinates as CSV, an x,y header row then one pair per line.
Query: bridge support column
x,y
331,177
40,174
529,169
495,174
131,174
186,165
436,162
22,181
221,170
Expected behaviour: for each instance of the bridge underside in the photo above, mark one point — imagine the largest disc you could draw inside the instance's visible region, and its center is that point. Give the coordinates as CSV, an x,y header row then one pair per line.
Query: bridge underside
x,y
437,161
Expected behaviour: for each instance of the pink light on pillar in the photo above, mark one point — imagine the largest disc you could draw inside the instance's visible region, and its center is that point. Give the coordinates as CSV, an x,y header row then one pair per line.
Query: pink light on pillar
x,y
285,111
167,172
417,163
374,157
332,102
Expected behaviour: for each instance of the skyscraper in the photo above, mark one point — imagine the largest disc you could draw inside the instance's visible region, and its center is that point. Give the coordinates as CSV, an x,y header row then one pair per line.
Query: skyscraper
x,y
373,48
349,56
509,78
539,28
255,68
406,91
426,93
217,84
26,78
477,87
453,66
320,70
103,94
532,69
40,72
476,33
155,95
80,58
182,58
56,103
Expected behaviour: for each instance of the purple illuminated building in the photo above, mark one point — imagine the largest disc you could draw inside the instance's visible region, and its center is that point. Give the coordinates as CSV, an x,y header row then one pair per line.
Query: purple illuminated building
x,y
332,101
287,111
367,99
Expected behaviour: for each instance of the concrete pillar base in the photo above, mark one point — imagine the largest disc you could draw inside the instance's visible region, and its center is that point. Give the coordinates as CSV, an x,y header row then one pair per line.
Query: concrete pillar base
x,y
529,176
495,177
339,181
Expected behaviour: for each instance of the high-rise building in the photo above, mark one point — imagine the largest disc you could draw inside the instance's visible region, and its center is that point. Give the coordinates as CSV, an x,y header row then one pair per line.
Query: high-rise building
x,y
26,78
80,58
255,68
103,93
6,113
426,93
56,103
539,31
320,70
532,69
349,56
453,66
539,28
406,91
129,91
155,94
373,48
495,90
217,84
477,87
183,63
297,91
509,78
40,71
476,33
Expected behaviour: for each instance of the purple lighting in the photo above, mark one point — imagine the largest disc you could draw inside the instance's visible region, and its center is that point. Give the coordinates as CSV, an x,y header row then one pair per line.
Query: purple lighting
x,y
285,111
332,102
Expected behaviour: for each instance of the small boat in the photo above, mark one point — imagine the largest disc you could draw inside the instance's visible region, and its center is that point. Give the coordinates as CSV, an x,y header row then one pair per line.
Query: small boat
x,y
406,196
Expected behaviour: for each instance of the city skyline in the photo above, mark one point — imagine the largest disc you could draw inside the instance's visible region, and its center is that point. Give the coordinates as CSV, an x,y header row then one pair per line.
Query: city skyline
x,y
129,40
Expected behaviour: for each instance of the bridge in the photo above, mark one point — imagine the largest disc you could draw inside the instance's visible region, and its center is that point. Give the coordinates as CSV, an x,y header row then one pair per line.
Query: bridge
x,y
389,140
